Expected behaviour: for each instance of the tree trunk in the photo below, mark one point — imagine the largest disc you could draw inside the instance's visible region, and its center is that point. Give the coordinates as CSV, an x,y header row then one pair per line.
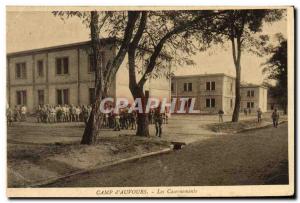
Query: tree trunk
x,y
142,125
142,117
236,53
236,111
92,129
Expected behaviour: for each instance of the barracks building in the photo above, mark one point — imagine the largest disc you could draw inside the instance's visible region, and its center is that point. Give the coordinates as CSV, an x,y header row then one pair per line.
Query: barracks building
x,y
64,75
217,91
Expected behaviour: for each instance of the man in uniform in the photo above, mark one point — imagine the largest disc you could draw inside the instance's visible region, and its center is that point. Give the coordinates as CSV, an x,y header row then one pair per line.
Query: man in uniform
x,y
117,122
259,114
221,113
23,113
158,122
275,118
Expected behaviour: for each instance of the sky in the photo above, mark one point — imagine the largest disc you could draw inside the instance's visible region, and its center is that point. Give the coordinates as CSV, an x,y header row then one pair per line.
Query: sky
x,y
37,29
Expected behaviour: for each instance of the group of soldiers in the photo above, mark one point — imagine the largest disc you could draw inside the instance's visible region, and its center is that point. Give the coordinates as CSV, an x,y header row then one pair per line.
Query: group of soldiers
x,y
124,119
62,113
16,114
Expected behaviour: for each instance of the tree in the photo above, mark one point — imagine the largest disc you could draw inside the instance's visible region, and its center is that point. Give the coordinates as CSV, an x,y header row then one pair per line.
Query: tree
x,y
240,27
276,69
159,35
103,75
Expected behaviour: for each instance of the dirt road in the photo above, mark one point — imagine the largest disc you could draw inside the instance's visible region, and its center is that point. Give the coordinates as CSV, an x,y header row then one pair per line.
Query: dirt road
x,y
253,157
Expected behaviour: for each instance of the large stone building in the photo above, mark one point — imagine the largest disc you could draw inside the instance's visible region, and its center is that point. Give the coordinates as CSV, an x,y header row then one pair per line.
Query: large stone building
x,y
212,91
217,91
64,75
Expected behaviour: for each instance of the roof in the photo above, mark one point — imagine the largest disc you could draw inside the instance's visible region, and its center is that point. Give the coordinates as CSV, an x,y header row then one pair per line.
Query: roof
x,y
71,46
251,85
204,75
59,47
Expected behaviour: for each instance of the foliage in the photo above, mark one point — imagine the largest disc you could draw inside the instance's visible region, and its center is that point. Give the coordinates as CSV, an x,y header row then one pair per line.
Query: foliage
x,y
276,69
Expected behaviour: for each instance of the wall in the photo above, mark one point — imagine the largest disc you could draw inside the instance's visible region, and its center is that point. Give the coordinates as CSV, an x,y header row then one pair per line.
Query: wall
x,y
158,88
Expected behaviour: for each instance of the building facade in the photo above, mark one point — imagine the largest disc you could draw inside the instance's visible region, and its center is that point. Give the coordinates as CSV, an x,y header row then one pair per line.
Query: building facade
x,y
64,75
254,97
211,91
217,91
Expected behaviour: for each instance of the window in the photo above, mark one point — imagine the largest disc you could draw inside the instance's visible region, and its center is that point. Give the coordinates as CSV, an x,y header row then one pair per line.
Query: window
x,y
210,103
20,70
188,87
172,87
40,68
211,85
91,66
250,104
41,97
62,96
92,95
231,103
21,97
250,93
207,85
62,65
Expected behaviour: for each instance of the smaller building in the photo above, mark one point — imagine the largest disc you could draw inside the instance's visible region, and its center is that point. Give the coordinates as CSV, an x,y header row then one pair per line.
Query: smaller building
x,y
254,97
211,91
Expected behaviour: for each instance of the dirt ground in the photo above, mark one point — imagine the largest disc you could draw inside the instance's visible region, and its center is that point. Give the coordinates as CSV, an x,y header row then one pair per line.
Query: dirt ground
x,y
38,152
30,164
256,157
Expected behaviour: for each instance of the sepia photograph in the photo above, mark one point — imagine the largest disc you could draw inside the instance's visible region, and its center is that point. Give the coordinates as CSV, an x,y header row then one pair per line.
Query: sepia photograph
x,y
149,101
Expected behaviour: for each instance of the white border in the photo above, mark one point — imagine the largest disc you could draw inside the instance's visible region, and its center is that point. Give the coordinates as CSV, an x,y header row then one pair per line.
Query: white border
x,y
104,3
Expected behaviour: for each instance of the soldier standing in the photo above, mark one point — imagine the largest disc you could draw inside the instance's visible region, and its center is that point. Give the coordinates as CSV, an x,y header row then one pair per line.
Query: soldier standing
x,y
133,119
259,114
221,113
158,122
9,116
23,113
275,118
117,122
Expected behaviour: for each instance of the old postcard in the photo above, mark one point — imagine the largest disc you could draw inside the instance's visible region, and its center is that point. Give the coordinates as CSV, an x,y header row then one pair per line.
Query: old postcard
x,y
150,101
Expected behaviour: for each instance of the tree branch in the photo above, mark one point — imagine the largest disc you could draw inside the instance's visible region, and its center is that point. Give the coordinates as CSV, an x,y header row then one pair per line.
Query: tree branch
x,y
177,30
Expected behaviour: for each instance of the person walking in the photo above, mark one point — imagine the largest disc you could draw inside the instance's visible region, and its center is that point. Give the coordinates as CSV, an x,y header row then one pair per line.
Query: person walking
x,y
275,118
259,114
221,113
